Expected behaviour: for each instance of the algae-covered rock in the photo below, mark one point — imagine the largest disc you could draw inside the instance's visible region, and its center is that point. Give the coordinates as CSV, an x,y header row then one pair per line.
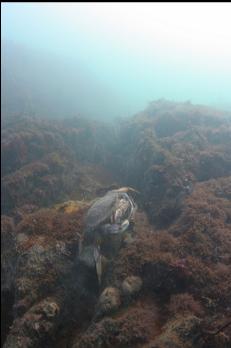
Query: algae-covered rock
x,y
131,285
179,333
162,282
109,301
71,206
8,253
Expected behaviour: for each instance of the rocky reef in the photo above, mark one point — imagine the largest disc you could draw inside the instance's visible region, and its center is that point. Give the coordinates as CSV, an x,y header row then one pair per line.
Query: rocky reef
x,y
168,284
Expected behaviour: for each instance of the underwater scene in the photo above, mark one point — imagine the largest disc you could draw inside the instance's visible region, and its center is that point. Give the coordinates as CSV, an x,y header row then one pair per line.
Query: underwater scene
x,y
116,175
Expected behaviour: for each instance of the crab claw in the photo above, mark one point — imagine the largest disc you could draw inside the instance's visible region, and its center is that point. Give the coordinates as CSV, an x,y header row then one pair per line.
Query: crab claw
x,y
98,262
115,228
127,189
124,225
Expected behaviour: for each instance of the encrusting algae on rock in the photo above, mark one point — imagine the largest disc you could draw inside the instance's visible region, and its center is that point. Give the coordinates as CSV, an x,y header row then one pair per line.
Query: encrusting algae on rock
x,y
169,284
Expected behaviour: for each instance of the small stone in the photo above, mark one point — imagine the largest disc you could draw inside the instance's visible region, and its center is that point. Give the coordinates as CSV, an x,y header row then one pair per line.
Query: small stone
x,y
22,237
109,300
131,285
51,309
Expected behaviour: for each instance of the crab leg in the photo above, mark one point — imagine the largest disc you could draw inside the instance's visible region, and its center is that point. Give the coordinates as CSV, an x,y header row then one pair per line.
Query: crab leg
x,y
98,262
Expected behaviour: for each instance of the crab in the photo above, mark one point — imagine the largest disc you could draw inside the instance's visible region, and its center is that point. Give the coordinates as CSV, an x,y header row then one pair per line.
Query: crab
x,y
108,215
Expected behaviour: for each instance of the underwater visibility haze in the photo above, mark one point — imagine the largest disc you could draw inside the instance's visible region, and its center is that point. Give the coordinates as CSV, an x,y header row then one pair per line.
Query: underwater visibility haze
x,y
116,175
82,58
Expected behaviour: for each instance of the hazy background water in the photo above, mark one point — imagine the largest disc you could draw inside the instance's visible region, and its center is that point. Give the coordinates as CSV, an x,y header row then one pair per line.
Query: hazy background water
x,y
110,60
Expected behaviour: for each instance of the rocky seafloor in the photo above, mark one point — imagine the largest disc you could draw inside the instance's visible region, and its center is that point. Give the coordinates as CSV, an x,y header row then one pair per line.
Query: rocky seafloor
x,y
168,283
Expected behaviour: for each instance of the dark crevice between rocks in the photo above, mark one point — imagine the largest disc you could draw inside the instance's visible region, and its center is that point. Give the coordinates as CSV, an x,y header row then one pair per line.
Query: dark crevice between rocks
x,y
7,317
80,300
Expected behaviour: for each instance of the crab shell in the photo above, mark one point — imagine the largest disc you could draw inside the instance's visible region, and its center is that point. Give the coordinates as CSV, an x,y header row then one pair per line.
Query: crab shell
x,y
114,207
108,215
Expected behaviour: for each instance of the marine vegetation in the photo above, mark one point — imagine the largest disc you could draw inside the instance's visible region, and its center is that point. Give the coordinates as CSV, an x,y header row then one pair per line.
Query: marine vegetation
x,y
168,284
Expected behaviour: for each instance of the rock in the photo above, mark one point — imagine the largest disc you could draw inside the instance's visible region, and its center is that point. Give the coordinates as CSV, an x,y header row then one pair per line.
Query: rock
x,y
178,156
109,301
178,333
131,285
21,238
51,309
130,327
8,253
71,206
38,324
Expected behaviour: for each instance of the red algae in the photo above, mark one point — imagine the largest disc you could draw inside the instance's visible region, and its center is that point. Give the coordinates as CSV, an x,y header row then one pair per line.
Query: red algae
x,y
178,156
